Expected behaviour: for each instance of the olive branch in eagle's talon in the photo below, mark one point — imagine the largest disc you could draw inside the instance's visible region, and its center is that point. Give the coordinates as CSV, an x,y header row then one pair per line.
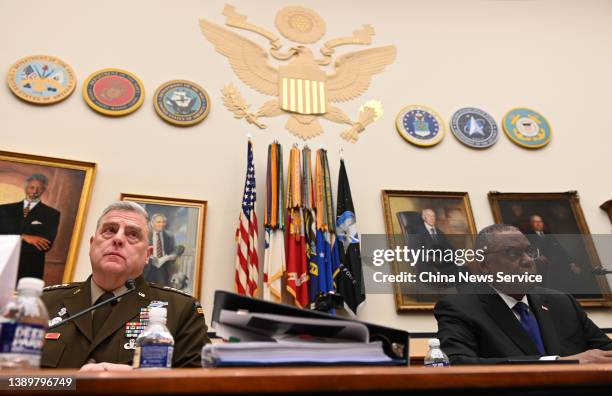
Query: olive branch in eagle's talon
x,y
233,100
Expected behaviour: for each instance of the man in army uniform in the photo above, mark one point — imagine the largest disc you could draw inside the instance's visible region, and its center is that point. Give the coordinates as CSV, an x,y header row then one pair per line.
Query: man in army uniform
x,y
104,339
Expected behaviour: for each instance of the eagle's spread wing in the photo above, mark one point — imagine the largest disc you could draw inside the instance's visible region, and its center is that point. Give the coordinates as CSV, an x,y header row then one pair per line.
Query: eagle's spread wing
x,y
354,72
247,58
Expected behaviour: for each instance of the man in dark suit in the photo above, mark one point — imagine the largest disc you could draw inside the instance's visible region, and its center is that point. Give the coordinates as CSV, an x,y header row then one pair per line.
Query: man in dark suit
x,y
559,269
36,223
429,237
161,264
515,320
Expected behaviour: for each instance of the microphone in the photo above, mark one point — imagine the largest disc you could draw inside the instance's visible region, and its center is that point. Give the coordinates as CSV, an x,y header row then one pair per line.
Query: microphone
x,y
130,284
600,271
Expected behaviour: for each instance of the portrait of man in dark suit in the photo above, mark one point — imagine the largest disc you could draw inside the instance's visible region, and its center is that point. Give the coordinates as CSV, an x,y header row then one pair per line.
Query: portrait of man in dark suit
x,y
37,224
428,236
560,270
165,252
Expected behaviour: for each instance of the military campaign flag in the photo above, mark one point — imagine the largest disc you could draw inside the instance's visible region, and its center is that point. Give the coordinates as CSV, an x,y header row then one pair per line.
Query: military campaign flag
x,y
274,224
310,229
247,262
327,260
348,278
297,267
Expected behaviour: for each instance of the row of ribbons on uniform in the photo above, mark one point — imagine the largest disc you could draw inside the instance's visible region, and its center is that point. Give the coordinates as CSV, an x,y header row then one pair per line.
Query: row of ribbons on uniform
x,y
310,252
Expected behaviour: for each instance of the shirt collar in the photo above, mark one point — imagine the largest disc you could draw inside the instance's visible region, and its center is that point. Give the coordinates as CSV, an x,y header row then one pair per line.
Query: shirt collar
x,y
97,291
511,301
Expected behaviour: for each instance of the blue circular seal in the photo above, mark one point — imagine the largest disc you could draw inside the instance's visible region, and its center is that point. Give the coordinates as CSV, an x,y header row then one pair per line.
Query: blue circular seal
x,y
474,127
181,102
420,125
527,128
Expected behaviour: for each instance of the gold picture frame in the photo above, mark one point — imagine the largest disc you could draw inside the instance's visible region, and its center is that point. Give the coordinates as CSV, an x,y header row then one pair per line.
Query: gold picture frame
x,y
178,260
562,216
69,189
454,217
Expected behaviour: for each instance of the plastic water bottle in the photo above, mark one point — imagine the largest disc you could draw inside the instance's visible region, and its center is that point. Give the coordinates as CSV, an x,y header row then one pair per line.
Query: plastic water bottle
x,y
435,357
154,346
23,324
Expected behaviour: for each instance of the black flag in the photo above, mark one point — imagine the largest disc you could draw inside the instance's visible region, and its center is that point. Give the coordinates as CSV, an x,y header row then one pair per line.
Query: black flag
x,y
348,279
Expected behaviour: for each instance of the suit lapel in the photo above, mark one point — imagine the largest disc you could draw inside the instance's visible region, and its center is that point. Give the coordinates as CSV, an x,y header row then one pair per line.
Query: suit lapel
x,y
78,301
539,306
508,323
127,310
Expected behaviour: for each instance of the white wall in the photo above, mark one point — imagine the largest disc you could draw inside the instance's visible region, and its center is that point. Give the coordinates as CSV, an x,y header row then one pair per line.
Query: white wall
x,y
553,56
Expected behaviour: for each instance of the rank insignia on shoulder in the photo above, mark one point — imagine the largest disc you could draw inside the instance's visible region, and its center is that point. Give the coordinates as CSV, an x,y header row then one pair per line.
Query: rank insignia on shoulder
x,y
176,290
200,311
58,286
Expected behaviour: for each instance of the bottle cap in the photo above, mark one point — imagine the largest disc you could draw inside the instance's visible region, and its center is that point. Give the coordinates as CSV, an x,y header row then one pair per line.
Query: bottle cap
x,y
434,343
34,284
157,314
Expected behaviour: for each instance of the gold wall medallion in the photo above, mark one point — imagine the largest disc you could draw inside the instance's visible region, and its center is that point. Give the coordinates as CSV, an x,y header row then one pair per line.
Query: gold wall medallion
x,y
41,79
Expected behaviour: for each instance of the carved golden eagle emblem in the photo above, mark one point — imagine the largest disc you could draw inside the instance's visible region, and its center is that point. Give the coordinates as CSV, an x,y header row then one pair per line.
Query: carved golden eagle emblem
x,y
301,87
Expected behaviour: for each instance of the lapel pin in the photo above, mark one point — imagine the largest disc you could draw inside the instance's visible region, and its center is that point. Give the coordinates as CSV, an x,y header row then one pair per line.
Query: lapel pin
x,y
141,294
544,307
76,291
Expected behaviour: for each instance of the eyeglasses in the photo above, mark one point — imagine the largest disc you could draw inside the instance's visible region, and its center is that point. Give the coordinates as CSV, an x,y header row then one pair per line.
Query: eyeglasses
x,y
516,253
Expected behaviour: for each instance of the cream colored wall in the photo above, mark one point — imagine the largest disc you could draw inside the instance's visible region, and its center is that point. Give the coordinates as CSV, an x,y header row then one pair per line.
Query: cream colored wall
x,y
553,56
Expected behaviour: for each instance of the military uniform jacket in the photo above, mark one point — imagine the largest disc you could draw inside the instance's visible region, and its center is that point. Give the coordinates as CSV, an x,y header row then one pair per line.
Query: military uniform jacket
x,y
72,344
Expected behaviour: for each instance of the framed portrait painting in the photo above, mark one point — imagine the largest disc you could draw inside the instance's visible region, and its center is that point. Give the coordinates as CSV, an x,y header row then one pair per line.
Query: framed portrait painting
x,y
177,238
426,220
45,200
555,224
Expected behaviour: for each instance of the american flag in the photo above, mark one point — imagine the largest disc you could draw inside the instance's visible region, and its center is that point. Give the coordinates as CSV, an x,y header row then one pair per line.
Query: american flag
x,y
247,262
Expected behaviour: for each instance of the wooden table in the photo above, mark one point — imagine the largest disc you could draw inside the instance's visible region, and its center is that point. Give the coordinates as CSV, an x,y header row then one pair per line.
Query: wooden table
x,y
516,379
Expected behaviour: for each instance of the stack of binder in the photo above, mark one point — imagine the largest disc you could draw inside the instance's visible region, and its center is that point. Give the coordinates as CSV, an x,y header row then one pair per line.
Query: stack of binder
x,y
264,333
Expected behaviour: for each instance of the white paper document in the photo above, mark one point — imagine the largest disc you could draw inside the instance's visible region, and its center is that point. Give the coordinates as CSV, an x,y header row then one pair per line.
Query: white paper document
x,y
10,247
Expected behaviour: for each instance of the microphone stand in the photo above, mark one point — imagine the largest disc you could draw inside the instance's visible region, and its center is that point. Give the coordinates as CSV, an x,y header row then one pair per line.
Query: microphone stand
x,y
131,287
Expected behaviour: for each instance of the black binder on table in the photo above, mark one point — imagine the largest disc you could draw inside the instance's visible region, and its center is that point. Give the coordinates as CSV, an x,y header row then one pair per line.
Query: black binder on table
x,y
395,342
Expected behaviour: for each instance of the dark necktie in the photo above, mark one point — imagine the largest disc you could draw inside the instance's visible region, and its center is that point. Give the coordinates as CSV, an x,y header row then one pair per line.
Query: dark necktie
x,y
101,314
26,210
434,235
530,325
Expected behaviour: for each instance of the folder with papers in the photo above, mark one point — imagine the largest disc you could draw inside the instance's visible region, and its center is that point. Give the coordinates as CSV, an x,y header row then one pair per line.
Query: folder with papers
x,y
265,333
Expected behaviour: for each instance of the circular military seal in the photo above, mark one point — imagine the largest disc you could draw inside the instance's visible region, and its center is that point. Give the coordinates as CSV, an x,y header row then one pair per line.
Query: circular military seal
x,y
181,102
113,92
420,125
474,127
527,128
299,24
41,79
